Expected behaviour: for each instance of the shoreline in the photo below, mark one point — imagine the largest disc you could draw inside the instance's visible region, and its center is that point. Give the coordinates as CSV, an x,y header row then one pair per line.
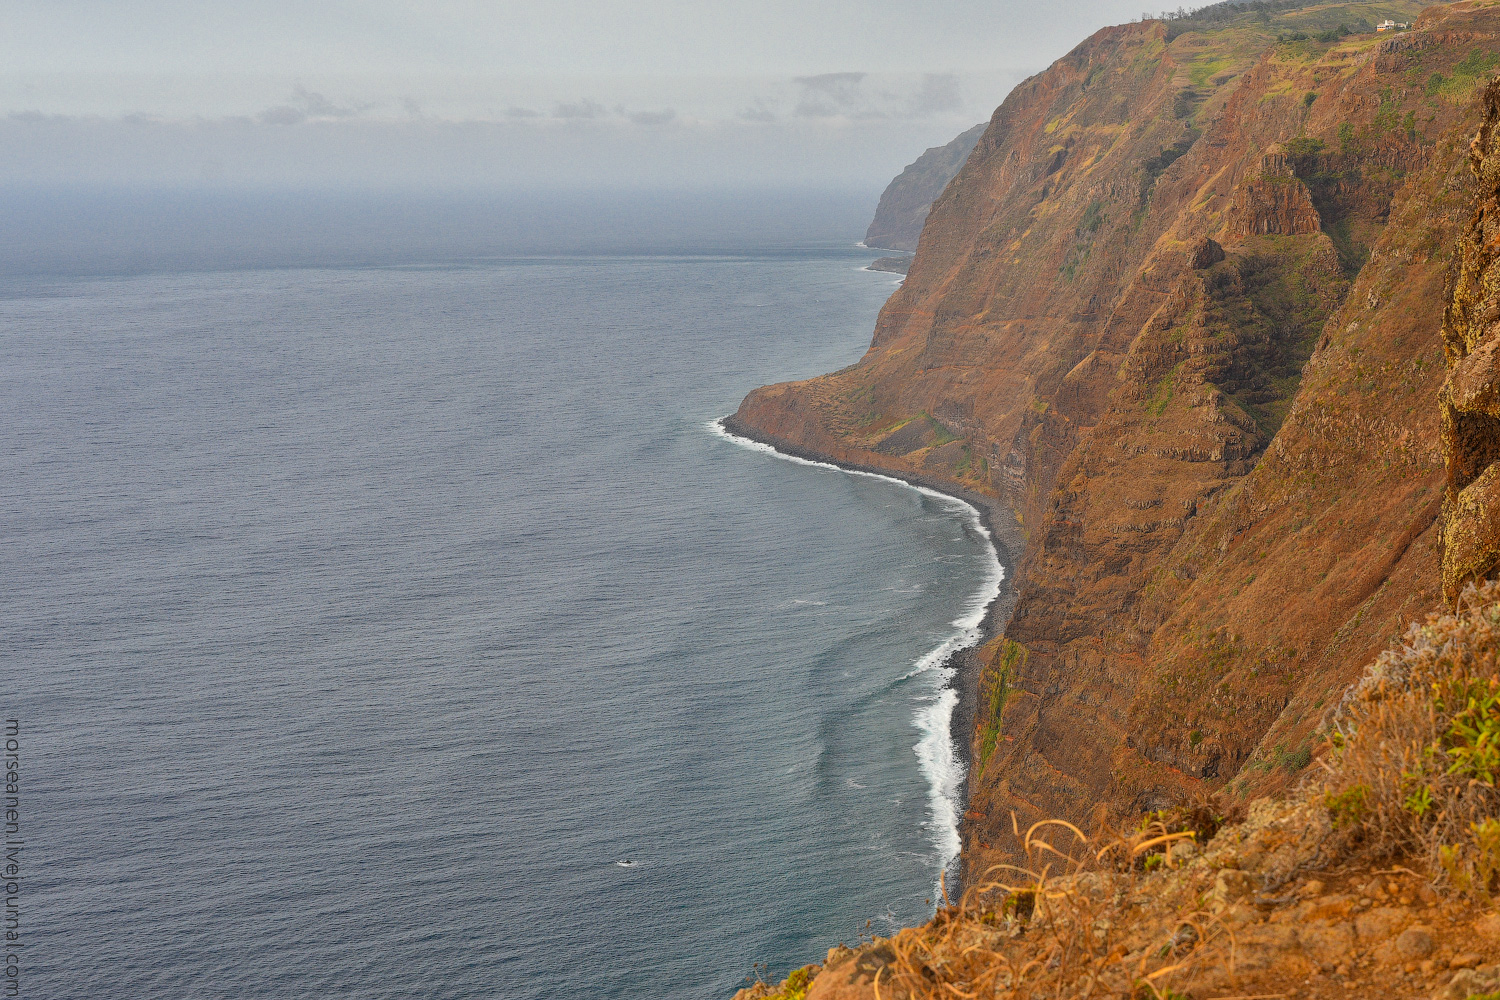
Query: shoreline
x,y
965,662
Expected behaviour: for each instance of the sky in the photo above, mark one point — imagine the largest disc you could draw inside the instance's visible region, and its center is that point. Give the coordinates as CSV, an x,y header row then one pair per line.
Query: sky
x,y
514,94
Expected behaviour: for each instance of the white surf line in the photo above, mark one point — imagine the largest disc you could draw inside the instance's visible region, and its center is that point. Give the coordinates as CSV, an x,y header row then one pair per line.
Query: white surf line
x,y
936,753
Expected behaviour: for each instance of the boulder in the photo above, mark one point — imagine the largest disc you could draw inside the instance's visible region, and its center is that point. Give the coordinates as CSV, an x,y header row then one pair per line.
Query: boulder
x,y
1205,253
1230,885
1415,943
1381,923
1327,944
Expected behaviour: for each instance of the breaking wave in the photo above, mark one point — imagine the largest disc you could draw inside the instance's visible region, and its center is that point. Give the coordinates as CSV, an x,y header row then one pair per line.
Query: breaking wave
x,y
937,755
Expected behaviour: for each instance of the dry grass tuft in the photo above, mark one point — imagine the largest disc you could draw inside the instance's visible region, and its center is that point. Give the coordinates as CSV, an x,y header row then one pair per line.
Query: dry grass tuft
x,y
1194,820
1051,928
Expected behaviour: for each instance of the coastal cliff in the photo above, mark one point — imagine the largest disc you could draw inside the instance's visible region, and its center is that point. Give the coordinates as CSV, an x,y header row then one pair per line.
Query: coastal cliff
x,y
1378,872
1177,320
906,200
1470,397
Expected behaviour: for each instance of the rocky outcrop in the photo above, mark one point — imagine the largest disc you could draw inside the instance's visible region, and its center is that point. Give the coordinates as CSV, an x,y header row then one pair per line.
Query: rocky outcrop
x,y
1205,254
1223,476
1471,394
1272,201
894,265
904,203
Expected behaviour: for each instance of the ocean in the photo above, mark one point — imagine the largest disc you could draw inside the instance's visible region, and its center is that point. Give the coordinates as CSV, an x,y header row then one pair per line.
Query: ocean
x,y
386,615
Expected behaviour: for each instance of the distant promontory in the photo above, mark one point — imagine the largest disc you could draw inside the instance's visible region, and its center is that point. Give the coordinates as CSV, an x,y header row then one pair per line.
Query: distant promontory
x,y
904,204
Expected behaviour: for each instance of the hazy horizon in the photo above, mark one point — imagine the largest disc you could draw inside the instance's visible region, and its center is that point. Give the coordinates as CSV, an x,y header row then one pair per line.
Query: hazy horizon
x,y
607,94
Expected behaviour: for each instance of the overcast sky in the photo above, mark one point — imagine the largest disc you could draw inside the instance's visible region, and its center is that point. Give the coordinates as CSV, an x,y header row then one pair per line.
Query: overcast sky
x,y
519,93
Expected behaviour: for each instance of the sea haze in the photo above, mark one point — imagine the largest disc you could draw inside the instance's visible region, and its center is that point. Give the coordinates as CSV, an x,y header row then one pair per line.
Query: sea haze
x,y
362,618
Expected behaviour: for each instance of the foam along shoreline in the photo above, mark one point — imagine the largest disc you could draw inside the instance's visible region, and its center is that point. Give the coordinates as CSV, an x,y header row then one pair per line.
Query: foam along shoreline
x,y
890,265
940,758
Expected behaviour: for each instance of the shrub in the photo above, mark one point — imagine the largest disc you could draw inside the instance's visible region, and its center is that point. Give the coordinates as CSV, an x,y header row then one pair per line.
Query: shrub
x,y
797,984
1415,748
1347,808
1419,802
794,988
1304,147
1474,868
1473,738
1297,759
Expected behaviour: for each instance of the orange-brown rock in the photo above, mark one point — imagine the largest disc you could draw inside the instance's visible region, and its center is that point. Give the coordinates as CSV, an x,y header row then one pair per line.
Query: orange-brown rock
x,y
1221,479
1471,394
1272,201
1205,253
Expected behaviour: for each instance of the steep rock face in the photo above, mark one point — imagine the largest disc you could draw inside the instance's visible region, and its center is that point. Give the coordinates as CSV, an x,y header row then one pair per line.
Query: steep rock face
x,y
1222,476
1272,202
904,203
1471,394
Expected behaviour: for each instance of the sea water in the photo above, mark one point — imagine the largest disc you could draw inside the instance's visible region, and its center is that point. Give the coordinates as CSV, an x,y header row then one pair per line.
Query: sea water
x,y
386,615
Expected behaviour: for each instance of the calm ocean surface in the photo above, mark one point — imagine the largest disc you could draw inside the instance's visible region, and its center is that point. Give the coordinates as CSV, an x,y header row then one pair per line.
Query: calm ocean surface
x,y
373,582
